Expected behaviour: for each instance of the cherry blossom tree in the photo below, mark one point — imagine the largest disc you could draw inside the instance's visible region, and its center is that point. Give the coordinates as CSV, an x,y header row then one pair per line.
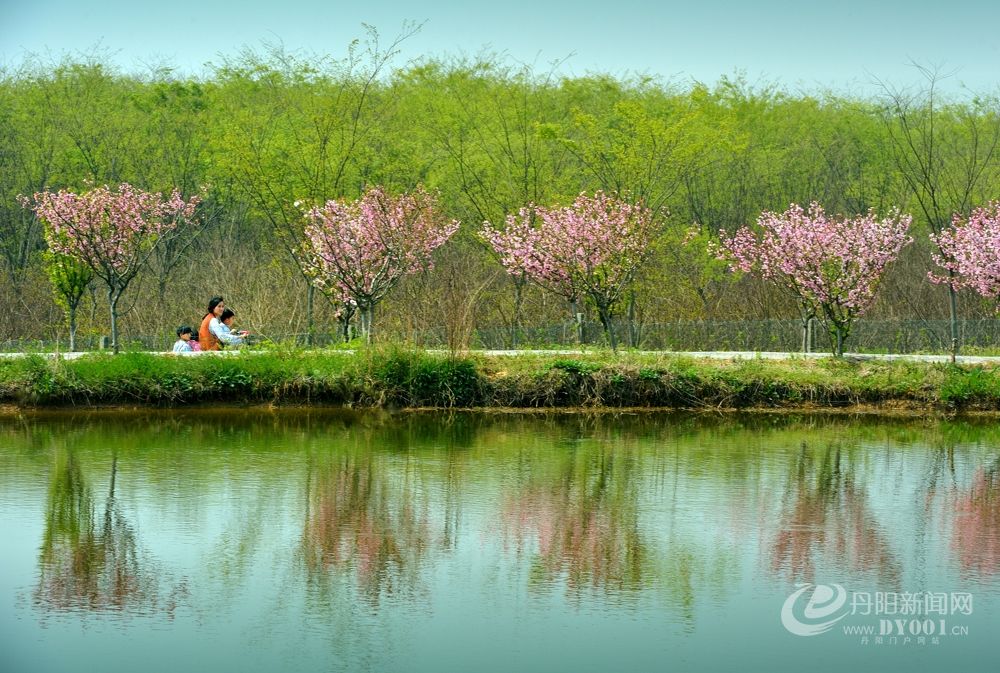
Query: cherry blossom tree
x,y
590,249
832,265
113,232
970,252
361,249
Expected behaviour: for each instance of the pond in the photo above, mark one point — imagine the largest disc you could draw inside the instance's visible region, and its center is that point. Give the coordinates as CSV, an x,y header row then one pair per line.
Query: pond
x,y
325,540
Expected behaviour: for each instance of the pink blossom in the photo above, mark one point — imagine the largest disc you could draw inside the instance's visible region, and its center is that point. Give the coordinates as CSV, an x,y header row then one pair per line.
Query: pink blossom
x,y
590,249
833,265
110,231
358,250
114,232
970,249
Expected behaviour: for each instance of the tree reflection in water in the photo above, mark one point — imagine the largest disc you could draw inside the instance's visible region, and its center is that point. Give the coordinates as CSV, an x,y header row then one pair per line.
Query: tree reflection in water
x,y
826,516
584,520
89,560
359,518
976,534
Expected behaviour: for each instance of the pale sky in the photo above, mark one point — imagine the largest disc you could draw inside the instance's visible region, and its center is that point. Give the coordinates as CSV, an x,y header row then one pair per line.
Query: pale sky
x,y
803,45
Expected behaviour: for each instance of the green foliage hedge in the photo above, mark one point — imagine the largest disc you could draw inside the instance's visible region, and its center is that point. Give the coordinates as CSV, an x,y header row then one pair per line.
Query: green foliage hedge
x,y
400,378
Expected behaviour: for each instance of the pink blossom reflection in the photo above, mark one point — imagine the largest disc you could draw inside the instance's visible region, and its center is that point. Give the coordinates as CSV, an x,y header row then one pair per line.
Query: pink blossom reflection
x,y
976,534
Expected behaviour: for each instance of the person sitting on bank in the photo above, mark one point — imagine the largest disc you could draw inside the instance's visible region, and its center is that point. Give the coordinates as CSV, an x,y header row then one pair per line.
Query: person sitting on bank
x,y
206,336
183,343
225,333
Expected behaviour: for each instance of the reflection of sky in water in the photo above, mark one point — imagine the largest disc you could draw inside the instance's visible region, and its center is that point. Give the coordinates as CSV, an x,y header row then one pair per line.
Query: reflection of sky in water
x,y
333,542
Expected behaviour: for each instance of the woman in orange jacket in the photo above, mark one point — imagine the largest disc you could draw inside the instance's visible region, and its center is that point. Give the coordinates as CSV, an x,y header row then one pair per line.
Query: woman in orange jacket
x,y
206,337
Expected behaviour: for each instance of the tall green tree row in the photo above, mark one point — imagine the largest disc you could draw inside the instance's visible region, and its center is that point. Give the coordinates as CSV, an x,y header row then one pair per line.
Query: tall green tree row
x,y
268,127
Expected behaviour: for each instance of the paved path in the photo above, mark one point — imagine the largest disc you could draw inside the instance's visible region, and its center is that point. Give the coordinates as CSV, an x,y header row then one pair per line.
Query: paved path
x,y
714,355
769,355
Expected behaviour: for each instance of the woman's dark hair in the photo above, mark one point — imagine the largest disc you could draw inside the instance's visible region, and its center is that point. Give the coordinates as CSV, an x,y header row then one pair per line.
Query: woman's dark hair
x,y
213,302
183,329
226,314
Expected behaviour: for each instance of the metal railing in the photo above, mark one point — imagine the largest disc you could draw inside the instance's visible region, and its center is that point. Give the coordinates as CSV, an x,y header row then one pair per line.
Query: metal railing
x,y
869,336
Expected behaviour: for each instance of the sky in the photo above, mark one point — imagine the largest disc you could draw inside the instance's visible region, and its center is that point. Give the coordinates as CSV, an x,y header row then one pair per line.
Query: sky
x,y
849,45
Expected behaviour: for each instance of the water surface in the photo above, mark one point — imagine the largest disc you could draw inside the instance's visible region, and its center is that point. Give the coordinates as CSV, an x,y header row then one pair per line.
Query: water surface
x,y
339,541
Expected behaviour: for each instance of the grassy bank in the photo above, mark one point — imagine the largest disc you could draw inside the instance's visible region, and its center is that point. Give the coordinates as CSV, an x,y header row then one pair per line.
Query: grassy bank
x,y
401,378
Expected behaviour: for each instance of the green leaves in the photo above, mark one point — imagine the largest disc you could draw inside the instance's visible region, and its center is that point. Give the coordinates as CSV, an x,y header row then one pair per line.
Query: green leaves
x,y
69,276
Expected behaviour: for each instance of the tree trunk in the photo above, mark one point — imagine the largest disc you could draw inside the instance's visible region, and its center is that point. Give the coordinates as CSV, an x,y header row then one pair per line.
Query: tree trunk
x,y
577,320
310,326
72,328
838,334
515,319
366,314
605,316
113,297
633,329
93,303
953,316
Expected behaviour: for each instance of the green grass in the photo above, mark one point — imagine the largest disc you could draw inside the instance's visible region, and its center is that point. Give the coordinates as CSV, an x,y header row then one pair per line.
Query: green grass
x,y
399,377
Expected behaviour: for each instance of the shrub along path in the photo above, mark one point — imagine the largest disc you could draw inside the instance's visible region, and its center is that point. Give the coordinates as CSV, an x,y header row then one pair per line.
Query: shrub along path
x,y
398,378
706,355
